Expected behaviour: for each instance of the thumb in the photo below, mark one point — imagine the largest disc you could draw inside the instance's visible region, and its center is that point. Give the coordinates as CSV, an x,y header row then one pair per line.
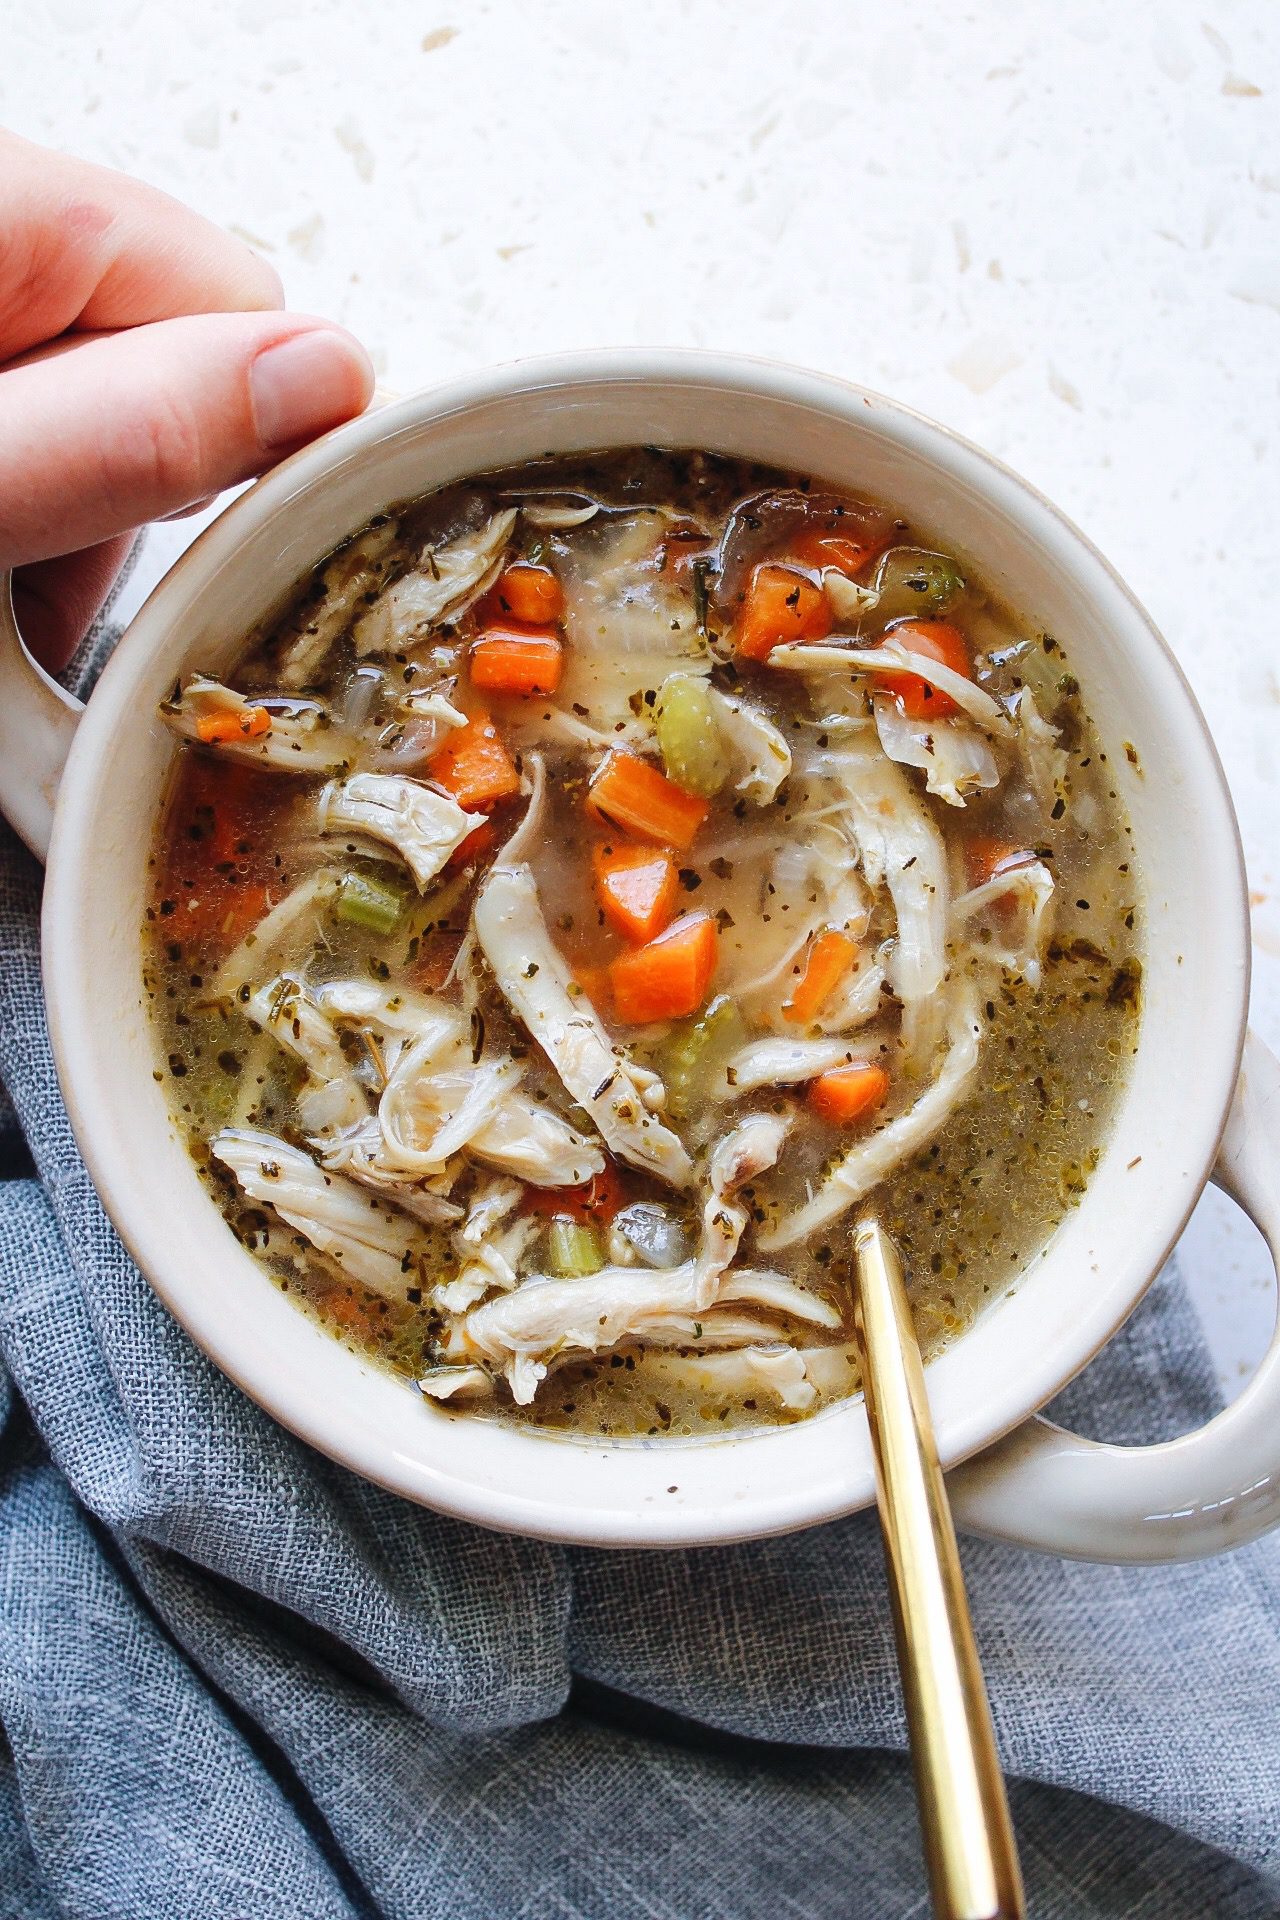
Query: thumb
x,y
128,427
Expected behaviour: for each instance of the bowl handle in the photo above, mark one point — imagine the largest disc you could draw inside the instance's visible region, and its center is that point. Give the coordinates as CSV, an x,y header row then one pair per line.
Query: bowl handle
x,y
37,722
1220,1487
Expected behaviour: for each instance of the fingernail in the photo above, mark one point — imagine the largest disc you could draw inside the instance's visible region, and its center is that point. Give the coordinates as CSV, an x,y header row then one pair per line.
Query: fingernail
x,y
307,383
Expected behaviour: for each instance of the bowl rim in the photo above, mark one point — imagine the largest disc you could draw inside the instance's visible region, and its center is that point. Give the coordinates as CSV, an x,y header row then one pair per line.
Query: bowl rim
x,y
752,378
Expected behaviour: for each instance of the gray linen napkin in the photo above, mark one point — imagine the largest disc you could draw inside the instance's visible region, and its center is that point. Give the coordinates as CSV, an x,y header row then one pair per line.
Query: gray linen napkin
x,y
237,1683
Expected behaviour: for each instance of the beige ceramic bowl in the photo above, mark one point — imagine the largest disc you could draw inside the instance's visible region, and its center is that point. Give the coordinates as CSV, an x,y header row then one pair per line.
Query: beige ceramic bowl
x,y
85,786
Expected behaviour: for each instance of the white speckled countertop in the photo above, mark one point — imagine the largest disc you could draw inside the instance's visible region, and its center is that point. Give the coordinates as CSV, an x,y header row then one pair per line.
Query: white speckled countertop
x,y
1055,227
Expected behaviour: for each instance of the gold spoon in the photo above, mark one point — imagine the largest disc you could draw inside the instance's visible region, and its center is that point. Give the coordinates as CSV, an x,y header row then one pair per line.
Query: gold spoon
x,y
964,1814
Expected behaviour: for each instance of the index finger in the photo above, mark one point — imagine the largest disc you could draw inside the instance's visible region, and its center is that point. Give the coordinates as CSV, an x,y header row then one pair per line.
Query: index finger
x,y
83,247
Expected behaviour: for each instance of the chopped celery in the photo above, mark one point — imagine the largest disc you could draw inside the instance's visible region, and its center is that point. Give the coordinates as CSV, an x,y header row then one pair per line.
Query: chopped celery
x,y
368,903
696,1053
689,736
573,1248
909,580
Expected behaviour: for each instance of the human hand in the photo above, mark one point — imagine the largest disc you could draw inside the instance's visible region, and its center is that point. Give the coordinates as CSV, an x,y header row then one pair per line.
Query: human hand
x,y
145,365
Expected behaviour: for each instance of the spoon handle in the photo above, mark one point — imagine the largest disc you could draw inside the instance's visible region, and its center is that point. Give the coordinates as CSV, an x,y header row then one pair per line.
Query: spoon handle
x,y
964,1814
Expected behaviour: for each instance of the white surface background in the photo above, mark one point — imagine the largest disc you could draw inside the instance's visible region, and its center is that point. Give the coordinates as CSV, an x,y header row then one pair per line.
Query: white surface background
x,y
1052,224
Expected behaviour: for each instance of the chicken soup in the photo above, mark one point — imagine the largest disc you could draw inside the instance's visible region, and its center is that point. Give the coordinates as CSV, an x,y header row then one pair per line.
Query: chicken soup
x,y
599,882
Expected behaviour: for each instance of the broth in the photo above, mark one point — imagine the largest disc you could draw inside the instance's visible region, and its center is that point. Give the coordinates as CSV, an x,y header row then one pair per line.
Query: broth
x,y
579,900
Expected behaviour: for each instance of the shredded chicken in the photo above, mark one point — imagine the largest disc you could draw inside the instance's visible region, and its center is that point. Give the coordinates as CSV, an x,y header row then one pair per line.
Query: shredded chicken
x,y
455,1383
891,657
1019,931
434,1106
902,849
855,1003
262,942
544,1317
494,1198
299,736
334,1107
434,706
761,758
526,1138
527,836
786,1062
1045,760
536,982
848,600
490,1254
356,1152
816,875
428,1112
437,1101
370,1242
739,1374
355,571
394,1013
855,1172
445,581
956,759
748,1149
424,827
285,1009
523,1331
759,1287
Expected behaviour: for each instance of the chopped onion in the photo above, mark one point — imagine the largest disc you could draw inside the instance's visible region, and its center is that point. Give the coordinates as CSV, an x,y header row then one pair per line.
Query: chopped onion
x,y
407,743
657,1237
358,697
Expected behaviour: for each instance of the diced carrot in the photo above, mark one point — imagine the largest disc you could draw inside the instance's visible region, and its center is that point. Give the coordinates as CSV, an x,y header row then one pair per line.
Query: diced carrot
x,y
634,795
936,640
478,844
846,552
516,660
474,766
670,976
780,605
528,593
247,723
985,857
636,887
846,1094
596,1200
829,959
596,986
